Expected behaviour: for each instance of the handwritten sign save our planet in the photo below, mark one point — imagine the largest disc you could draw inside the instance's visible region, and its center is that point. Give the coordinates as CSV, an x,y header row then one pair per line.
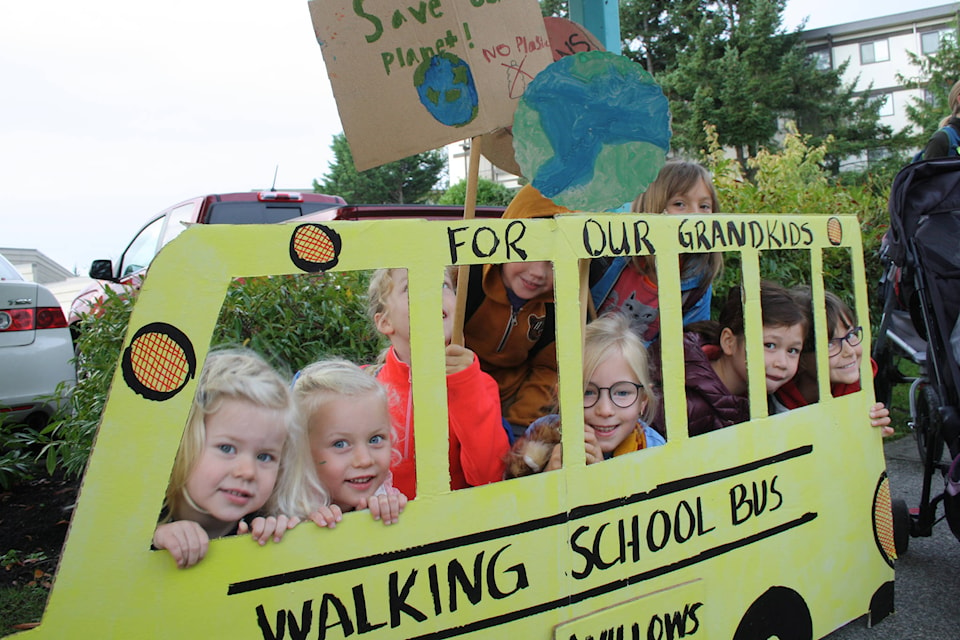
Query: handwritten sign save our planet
x,y
411,76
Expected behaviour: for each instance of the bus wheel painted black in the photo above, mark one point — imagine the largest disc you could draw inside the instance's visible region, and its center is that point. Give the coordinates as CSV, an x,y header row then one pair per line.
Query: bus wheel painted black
x,y
901,526
881,604
779,613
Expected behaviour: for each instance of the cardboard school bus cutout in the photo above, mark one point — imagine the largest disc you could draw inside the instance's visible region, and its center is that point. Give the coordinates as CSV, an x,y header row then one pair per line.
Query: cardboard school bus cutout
x,y
777,527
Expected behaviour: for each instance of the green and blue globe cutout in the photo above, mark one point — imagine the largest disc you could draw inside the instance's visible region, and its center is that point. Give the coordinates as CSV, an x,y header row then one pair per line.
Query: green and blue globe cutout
x,y
592,131
446,88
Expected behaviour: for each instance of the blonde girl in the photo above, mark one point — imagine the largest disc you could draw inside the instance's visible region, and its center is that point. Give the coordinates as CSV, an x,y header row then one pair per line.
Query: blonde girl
x,y
243,452
617,400
347,414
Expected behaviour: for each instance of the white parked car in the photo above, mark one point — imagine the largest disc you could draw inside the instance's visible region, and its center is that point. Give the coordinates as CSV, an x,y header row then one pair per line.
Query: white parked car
x,y
36,350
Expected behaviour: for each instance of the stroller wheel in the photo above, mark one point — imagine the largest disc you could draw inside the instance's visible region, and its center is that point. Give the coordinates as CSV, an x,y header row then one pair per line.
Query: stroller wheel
x,y
901,526
927,424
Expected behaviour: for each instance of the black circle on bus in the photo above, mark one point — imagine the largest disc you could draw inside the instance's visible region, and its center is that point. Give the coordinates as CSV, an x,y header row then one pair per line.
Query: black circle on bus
x,y
779,613
315,247
158,362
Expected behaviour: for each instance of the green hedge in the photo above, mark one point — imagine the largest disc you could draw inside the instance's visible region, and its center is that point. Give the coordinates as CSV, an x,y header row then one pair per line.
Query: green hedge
x,y
292,320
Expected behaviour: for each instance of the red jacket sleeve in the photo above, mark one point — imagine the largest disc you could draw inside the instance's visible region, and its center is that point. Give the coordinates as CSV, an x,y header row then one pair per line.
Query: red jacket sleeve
x,y
478,441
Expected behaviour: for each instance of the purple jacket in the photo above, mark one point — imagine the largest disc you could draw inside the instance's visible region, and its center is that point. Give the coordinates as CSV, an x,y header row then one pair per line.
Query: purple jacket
x,y
710,405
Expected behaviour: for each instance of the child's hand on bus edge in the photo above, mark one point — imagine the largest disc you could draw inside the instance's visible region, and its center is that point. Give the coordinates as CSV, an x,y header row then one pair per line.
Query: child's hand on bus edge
x,y
186,541
264,528
385,507
590,442
327,516
458,358
880,417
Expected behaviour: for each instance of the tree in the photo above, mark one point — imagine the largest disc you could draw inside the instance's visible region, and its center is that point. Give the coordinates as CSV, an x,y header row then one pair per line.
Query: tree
x,y
409,180
488,193
730,63
937,73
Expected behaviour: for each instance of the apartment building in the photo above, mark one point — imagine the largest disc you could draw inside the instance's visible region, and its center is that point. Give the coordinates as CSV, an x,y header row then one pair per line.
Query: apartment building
x,y
876,49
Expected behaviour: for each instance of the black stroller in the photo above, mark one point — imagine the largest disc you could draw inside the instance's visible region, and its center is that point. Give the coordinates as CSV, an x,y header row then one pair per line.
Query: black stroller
x,y
921,292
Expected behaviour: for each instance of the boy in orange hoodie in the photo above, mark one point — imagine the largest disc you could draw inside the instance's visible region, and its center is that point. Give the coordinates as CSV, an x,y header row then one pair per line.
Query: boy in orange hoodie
x,y
510,323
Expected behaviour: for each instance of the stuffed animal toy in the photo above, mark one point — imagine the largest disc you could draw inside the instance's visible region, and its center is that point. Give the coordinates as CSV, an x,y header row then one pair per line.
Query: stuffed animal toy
x,y
531,452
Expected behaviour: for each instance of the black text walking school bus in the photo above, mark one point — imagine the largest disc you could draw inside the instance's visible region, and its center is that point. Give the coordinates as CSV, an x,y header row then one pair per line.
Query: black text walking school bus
x,y
776,527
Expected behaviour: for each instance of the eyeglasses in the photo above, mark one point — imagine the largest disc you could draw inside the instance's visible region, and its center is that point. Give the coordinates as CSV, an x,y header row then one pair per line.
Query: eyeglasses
x,y
623,394
853,338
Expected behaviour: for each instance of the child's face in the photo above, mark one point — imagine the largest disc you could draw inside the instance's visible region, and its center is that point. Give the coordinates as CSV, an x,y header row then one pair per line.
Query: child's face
x,y
528,279
238,465
696,200
781,354
394,320
350,444
611,423
845,365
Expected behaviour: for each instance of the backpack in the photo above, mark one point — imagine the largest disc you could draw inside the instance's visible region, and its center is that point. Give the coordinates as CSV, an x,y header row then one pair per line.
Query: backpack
x,y
954,143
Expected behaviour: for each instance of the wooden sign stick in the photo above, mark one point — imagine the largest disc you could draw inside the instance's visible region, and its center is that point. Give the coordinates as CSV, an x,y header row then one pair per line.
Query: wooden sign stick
x,y
469,211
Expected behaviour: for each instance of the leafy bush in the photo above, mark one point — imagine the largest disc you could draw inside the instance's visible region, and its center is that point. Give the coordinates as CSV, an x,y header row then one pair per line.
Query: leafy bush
x,y
793,181
292,320
488,193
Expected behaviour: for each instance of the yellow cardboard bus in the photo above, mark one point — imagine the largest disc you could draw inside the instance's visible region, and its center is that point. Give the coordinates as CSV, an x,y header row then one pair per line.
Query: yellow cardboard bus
x,y
777,527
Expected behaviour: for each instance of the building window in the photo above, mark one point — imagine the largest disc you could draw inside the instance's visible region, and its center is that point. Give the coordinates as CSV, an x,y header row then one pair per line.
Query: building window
x,y
877,155
821,59
885,100
929,42
877,51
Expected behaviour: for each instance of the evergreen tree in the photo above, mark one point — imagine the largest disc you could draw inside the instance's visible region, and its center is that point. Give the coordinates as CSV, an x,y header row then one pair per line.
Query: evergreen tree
x,y
410,180
730,63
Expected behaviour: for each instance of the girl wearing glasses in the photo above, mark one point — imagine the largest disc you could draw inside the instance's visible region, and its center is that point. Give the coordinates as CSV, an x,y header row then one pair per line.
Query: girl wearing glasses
x,y
617,402
845,352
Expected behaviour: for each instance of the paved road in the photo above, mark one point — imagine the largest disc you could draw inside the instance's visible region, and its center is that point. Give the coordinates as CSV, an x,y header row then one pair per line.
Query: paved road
x,y
927,587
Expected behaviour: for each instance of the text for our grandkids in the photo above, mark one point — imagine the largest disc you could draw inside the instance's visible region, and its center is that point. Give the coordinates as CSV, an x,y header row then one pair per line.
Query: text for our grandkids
x,y
631,236
425,13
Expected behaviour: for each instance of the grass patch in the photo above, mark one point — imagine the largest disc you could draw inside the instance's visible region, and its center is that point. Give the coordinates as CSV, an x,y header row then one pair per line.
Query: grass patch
x,y
20,606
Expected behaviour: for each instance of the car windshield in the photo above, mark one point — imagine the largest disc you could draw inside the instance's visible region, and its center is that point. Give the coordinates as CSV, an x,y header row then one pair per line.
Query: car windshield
x,y
262,212
8,271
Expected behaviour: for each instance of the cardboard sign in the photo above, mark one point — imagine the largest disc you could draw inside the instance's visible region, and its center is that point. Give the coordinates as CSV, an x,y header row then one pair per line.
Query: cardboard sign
x,y
780,524
592,131
418,74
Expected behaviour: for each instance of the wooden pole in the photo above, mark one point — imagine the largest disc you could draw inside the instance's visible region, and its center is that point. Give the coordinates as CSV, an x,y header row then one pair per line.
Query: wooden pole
x,y
469,212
